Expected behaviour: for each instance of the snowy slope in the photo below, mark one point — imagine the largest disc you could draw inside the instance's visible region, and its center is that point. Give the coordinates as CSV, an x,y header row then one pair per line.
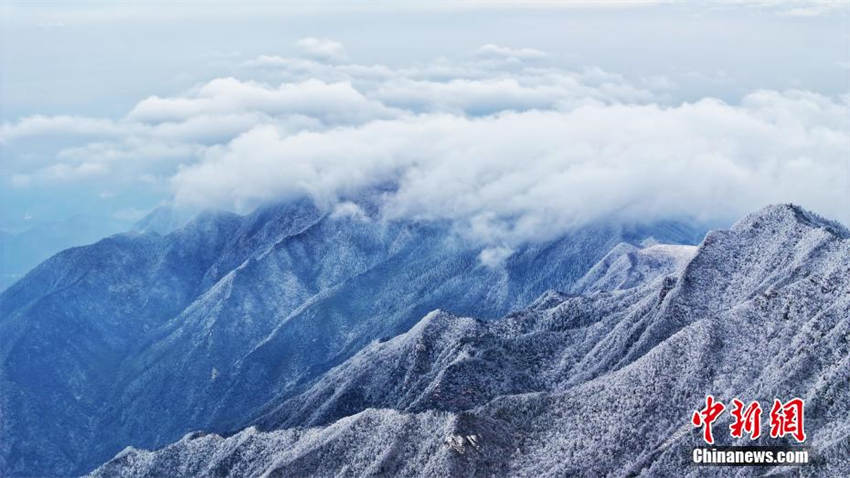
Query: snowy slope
x,y
140,338
596,384
627,266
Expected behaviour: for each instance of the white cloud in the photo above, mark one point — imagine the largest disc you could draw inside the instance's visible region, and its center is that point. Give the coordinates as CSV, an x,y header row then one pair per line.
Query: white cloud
x,y
322,48
491,50
64,172
348,209
491,95
514,177
330,103
63,125
507,151
493,257
133,149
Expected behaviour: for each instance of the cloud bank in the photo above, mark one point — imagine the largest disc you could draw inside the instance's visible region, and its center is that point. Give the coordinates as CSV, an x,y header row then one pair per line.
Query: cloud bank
x,y
503,144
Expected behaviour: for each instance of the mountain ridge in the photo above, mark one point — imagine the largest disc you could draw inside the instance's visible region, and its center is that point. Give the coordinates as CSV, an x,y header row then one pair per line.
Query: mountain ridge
x,y
624,384
207,325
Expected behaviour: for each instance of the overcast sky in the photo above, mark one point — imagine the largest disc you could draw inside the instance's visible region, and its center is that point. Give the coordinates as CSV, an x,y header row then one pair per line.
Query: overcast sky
x,y
515,121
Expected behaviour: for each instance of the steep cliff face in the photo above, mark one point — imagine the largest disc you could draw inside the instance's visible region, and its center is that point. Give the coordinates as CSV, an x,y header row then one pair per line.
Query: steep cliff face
x,y
602,383
142,337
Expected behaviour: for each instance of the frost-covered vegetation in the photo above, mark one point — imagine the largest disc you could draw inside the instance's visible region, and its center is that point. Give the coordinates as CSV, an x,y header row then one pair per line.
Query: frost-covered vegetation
x,y
143,337
599,384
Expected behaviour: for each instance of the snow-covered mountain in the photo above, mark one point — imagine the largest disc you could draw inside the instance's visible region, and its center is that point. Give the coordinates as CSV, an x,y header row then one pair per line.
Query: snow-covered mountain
x,y
27,245
601,383
142,337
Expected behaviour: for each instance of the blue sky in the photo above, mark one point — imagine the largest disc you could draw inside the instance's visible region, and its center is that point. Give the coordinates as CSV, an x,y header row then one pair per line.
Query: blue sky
x,y
707,109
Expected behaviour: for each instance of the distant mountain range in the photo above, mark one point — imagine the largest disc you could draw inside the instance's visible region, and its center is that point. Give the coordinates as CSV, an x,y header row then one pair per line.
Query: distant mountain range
x,y
600,380
26,246
236,320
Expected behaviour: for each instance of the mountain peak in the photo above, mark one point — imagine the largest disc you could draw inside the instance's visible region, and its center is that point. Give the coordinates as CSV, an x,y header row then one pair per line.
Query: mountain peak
x,y
162,220
789,214
662,324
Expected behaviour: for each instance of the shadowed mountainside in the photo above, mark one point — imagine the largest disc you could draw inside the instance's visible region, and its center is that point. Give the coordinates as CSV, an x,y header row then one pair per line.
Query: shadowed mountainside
x,y
602,383
142,337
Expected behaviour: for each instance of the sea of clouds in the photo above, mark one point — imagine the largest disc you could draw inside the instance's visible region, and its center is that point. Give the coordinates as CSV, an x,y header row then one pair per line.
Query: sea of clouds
x,y
502,142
